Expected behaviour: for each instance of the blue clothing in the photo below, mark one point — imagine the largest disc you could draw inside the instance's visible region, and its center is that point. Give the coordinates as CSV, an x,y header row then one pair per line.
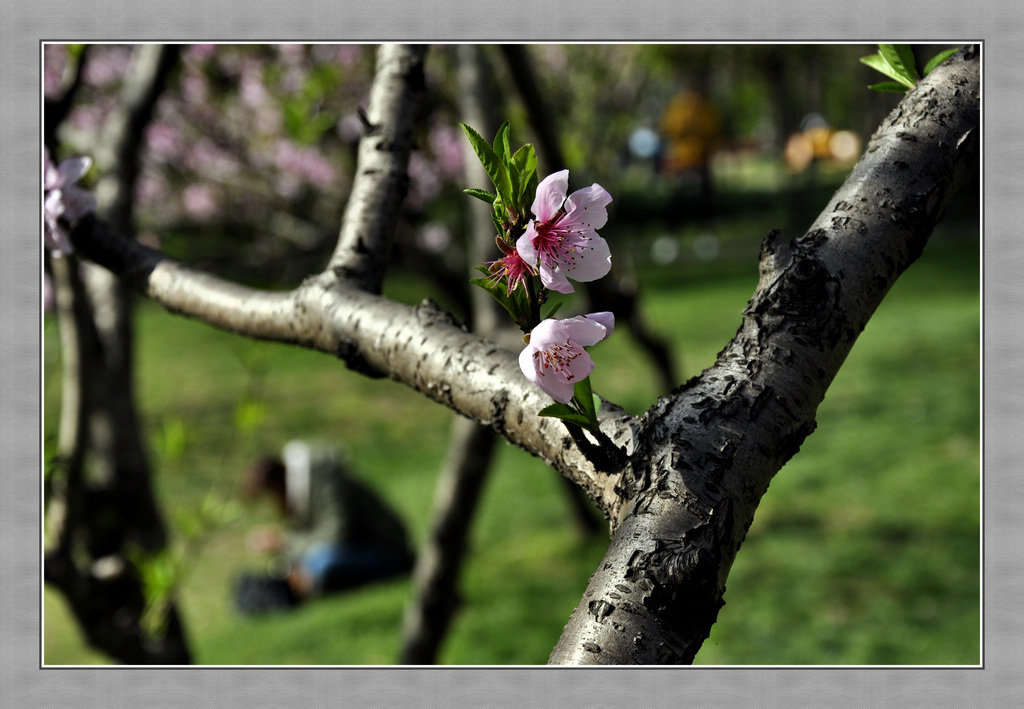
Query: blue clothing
x,y
333,568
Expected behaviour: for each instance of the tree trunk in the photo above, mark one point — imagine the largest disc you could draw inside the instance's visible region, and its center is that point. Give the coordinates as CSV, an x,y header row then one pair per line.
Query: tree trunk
x,y
105,515
708,452
436,597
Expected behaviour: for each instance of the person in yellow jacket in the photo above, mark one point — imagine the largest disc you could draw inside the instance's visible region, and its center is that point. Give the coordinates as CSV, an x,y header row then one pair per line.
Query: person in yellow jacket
x,y
691,128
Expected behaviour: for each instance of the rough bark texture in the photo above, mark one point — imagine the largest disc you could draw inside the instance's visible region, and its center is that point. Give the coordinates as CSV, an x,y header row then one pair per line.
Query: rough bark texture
x,y
682,489
365,238
420,346
706,454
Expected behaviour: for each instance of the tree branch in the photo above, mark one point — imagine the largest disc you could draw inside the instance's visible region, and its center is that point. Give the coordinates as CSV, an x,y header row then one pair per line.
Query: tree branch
x,y
436,597
436,576
117,153
56,110
706,454
420,346
382,179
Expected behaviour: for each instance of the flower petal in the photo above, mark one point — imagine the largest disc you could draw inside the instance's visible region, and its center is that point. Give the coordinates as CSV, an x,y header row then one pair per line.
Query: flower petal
x,y
558,389
53,204
548,333
55,239
587,208
51,177
553,278
555,359
605,318
586,330
550,195
524,245
72,169
593,260
526,362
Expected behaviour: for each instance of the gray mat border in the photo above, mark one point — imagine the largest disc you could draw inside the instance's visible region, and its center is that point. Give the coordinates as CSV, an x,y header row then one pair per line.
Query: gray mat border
x,y
998,24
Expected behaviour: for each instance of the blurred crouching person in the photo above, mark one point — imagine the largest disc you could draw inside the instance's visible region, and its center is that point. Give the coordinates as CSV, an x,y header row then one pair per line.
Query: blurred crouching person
x,y
340,534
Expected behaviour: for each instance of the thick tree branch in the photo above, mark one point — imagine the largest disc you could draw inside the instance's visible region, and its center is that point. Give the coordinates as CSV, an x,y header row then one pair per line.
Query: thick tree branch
x,y
382,180
420,346
706,454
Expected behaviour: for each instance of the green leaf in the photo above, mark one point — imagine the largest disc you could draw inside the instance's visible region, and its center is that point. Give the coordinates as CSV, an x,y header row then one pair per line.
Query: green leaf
x,y
525,162
513,180
584,398
481,147
890,86
529,191
493,164
499,224
517,304
900,58
878,63
583,409
482,195
501,146
566,413
937,59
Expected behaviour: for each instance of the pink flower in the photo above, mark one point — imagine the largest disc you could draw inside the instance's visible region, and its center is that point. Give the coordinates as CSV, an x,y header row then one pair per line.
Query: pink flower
x,y
562,239
555,359
199,201
63,202
510,266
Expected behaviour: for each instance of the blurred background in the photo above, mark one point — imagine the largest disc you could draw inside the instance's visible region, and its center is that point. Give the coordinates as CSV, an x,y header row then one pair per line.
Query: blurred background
x,y
866,548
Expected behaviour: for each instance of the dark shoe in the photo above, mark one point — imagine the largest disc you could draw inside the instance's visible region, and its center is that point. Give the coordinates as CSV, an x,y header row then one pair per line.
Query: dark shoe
x,y
255,595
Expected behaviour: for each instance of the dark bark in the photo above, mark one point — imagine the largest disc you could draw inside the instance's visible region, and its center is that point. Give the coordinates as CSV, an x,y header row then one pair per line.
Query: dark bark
x,y
57,109
439,562
706,454
97,524
110,516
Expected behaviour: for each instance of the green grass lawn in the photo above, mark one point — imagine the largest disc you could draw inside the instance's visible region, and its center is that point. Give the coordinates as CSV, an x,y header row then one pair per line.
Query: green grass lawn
x,y
865,550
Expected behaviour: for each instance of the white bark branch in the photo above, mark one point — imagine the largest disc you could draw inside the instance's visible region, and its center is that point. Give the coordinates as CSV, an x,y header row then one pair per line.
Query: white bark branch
x,y
382,179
